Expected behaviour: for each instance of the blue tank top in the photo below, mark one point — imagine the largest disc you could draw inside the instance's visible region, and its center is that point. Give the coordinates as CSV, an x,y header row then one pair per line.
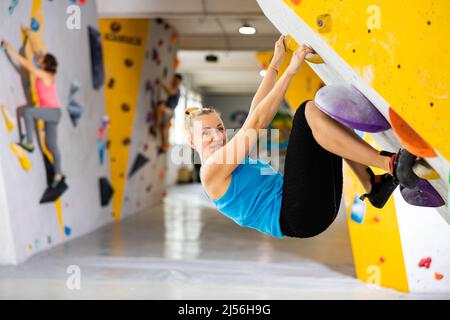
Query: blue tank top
x,y
253,198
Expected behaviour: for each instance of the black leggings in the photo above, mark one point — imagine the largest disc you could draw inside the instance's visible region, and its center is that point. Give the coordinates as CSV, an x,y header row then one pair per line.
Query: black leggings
x,y
312,187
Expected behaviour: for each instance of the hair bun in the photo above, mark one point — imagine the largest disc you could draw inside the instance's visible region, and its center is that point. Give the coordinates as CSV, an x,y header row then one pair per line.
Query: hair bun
x,y
188,111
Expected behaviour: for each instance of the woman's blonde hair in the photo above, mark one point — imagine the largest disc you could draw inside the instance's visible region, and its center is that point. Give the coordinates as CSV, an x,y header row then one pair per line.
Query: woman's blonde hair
x,y
194,112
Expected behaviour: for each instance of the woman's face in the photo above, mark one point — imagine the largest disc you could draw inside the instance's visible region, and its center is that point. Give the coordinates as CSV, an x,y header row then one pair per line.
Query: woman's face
x,y
207,134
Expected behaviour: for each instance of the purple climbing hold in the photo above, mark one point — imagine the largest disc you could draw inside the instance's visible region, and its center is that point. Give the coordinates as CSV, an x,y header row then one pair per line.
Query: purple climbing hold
x,y
350,107
423,195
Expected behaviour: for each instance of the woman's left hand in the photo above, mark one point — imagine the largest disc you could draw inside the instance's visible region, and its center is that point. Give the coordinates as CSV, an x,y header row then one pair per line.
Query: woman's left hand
x,y
278,53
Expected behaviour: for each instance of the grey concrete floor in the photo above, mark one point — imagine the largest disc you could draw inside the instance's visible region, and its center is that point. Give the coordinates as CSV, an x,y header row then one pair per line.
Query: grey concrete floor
x,y
185,249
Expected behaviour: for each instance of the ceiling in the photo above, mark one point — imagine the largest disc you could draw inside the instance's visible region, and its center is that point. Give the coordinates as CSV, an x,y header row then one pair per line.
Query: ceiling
x,y
204,27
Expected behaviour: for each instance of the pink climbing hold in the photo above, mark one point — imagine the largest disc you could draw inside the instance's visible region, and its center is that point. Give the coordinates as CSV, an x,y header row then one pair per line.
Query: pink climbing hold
x,y
425,263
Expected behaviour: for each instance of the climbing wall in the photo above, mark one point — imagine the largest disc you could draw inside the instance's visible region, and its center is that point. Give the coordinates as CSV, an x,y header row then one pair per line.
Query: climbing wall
x,y
366,45
27,226
136,52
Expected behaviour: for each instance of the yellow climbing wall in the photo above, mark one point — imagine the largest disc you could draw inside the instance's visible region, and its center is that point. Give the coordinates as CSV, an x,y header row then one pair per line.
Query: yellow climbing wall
x,y
123,58
399,48
376,246
304,85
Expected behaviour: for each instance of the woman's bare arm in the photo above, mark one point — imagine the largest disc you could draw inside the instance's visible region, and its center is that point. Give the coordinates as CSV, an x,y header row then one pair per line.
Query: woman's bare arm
x,y
271,76
24,62
224,161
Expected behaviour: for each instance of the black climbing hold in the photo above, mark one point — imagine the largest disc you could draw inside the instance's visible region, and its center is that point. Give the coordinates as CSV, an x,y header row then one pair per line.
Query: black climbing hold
x,y
115,27
97,66
126,107
126,141
53,194
138,164
129,63
111,83
106,191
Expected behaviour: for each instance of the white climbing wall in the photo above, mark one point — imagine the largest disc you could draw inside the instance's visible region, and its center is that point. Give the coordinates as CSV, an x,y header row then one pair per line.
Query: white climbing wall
x,y
26,227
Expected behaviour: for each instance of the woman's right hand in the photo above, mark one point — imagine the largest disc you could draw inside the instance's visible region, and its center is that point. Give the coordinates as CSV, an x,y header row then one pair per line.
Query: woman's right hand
x,y
297,59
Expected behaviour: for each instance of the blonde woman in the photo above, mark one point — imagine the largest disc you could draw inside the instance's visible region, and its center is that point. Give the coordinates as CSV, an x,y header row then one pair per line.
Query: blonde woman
x,y
305,200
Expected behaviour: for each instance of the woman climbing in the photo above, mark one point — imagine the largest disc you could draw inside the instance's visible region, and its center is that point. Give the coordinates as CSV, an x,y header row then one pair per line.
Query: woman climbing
x,y
49,109
305,201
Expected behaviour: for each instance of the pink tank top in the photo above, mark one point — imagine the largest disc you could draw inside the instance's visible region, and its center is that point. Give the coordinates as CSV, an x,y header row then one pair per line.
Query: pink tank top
x,y
47,95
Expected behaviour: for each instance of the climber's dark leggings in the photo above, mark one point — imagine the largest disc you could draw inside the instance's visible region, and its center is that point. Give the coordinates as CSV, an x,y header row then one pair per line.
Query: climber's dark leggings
x,y
312,187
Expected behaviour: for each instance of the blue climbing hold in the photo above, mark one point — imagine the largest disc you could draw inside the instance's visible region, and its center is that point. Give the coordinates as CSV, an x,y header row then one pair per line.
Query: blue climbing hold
x,y
67,231
358,210
35,26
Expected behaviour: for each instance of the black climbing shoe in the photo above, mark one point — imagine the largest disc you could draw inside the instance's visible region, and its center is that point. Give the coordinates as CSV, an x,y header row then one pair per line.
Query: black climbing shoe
x,y
382,188
401,167
25,145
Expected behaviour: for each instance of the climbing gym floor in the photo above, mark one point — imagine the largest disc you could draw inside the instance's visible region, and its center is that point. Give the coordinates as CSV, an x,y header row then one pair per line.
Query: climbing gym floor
x,y
184,249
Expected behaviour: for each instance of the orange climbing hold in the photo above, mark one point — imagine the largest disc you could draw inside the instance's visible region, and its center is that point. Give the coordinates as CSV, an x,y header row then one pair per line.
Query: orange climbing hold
x,y
377,219
296,2
382,259
409,138
438,276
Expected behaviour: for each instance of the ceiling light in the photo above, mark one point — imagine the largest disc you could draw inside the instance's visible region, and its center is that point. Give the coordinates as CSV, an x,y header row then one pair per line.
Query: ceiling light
x,y
247,29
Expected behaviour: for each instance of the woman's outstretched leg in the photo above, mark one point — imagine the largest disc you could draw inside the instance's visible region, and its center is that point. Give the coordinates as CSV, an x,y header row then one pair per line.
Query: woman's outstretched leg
x,y
338,139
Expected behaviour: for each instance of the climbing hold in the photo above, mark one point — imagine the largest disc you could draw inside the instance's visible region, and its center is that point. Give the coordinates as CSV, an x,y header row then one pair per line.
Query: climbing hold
x,y
423,195
101,151
425,263
162,173
350,107
382,259
314,58
126,107
115,27
49,239
438,276
166,26
155,55
164,194
37,244
145,147
21,156
67,231
111,83
53,194
148,189
176,63
97,66
324,23
409,138
106,191
7,118
160,43
165,72
358,210
296,2
75,111
423,170
138,164
126,142
377,219
35,24
148,86
13,6
173,38
291,45
129,63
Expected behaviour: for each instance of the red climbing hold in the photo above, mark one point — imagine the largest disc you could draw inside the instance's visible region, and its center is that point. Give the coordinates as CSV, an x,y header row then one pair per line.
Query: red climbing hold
x,y
425,263
296,2
382,260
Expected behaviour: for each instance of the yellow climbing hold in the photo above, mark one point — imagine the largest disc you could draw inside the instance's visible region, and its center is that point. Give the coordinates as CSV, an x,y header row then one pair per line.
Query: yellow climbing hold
x,y
291,45
425,171
21,156
8,118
